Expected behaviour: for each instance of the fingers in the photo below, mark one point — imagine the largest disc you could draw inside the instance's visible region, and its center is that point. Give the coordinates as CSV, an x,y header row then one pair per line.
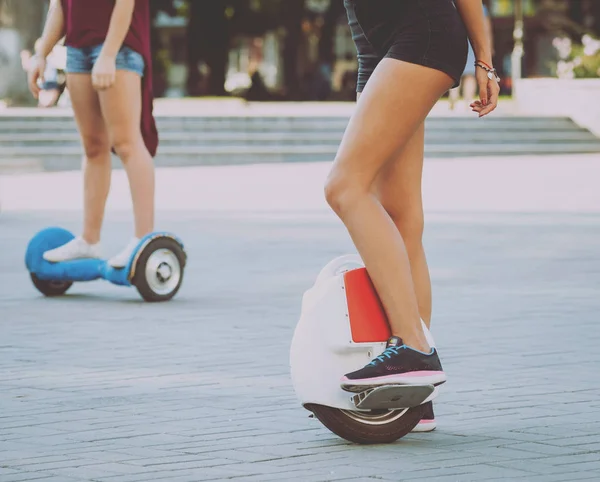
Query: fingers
x,y
492,104
97,82
32,79
103,81
483,91
492,90
476,106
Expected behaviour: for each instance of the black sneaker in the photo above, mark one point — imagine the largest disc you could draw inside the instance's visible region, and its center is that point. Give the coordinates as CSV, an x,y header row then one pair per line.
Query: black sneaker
x,y
427,423
397,365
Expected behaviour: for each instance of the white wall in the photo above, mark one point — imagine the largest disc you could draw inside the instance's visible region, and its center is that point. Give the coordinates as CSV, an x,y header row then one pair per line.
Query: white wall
x,y
577,98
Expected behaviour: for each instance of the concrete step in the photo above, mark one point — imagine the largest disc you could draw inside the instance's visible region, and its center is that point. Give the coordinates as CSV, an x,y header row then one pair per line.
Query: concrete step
x,y
70,158
53,143
44,139
255,124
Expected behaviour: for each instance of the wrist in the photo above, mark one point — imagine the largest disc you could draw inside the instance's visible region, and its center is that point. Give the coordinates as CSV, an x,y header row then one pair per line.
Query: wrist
x,y
484,57
41,53
487,66
108,54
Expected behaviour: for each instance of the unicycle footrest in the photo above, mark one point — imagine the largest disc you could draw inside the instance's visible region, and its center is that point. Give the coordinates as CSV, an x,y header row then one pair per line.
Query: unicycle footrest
x,y
390,397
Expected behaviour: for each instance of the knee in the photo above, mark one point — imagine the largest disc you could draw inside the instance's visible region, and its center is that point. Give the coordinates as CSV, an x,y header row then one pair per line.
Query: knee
x,y
125,147
342,193
96,148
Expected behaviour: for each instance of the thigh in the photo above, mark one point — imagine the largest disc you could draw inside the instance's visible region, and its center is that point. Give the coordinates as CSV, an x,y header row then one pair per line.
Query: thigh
x,y
86,108
122,106
390,110
398,185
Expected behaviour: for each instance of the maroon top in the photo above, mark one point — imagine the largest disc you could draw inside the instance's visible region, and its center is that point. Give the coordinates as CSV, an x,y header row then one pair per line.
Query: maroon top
x,y
87,24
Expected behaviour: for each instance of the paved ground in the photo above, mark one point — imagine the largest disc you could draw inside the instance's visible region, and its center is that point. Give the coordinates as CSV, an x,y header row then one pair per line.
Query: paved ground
x,y
98,386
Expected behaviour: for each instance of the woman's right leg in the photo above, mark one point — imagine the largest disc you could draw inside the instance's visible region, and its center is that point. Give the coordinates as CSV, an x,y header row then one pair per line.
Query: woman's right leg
x,y
97,160
96,170
469,86
453,96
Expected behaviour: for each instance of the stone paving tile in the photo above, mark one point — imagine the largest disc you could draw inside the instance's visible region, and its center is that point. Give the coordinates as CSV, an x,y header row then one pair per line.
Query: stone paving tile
x,y
552,478
98,386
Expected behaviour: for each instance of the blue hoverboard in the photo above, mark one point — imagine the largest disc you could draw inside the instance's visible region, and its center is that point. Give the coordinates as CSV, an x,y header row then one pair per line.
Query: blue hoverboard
x,y
155,268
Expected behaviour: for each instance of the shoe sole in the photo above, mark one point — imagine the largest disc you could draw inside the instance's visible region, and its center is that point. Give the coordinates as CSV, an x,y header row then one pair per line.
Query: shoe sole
x,y
357,386
425,426
393,397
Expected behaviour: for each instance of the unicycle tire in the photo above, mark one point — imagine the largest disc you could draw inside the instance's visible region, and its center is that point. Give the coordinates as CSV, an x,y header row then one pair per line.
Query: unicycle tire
x,y
50,288
368,428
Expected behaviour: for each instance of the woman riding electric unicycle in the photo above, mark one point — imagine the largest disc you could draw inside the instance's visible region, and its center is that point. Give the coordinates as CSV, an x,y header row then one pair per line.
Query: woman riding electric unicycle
x,y
373,328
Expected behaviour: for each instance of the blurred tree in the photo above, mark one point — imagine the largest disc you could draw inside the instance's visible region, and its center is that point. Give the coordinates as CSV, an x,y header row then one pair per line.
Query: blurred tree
x,y
326,43
562,17
160,52
21,23
292,16
213,23
207,40
211,26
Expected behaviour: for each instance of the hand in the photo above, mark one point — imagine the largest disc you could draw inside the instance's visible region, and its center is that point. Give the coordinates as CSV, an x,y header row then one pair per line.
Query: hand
x,y
35,72
104,72
488,93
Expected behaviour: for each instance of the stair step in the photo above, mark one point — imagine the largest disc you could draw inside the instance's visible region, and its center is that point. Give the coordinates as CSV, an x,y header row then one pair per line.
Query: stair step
x,y
53,143
258,123
325,152
211,138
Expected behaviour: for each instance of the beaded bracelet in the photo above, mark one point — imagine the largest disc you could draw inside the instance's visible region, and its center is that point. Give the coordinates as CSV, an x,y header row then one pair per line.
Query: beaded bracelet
x,y
492,74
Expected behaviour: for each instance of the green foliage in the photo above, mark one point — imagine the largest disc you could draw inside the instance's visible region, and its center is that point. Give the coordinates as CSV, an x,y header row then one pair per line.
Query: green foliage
x,y
580,60
589,66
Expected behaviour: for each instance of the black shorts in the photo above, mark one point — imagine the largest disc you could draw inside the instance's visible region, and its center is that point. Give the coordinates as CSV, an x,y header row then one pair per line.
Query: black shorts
x,y
425,32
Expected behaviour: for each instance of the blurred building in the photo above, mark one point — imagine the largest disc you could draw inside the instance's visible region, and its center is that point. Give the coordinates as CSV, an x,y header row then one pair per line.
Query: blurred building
x,y
264,53
287,49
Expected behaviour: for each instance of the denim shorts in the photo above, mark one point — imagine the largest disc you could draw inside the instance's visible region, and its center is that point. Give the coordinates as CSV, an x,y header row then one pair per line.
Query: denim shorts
x,y
424,32
81,61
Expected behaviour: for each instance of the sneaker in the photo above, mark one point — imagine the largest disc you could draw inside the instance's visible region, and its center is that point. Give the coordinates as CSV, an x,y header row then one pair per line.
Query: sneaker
x,y
427,423
121,259
397,365
77,248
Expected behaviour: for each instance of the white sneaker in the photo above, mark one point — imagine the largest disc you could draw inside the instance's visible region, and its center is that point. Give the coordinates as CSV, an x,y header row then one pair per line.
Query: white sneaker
x,y
77,248
121,259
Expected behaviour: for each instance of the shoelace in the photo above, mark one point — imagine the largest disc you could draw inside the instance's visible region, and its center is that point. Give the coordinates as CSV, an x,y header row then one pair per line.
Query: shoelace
x,y
387,354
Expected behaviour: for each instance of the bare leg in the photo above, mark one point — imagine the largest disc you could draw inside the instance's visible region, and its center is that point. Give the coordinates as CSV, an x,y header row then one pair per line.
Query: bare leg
x,y
96,145
122,108
469,86
398,188
453,96
393,106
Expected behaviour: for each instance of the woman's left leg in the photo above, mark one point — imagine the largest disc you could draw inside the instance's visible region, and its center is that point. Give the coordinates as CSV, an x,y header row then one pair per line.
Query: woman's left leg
x,y
398,188
122,109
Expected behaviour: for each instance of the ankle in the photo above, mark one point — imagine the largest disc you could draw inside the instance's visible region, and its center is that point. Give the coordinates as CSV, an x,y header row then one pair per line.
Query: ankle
x,y
416,341
90,239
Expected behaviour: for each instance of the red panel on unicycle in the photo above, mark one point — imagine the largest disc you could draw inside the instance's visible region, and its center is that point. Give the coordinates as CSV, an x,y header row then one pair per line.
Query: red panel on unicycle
x,y
368,321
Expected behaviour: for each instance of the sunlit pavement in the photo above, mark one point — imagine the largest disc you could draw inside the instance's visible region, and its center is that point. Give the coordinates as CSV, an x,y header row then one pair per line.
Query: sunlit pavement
x,y
492,184
98,386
